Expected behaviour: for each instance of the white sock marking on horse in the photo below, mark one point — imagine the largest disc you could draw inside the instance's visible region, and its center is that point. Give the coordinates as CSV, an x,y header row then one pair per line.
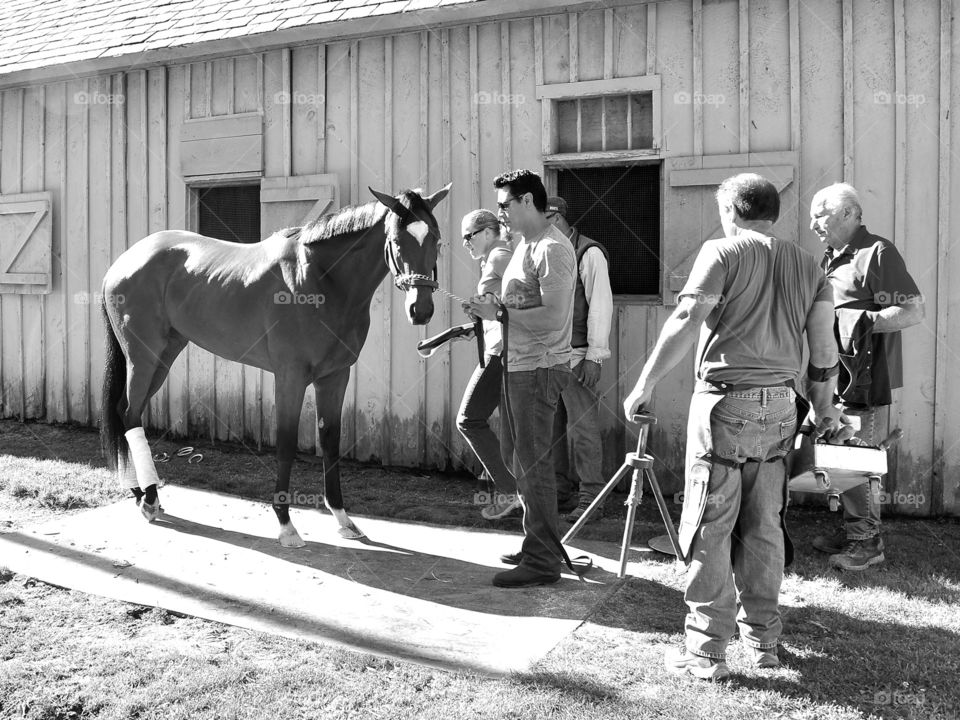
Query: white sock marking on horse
x,y
419,230
142,459
347,528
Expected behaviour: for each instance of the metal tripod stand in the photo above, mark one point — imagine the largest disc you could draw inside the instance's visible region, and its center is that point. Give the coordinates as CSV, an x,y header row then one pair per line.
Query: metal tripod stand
x,y
642,466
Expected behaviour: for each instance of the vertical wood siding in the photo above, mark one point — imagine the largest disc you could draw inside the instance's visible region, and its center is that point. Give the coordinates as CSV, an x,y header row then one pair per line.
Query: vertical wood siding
x,y
859,91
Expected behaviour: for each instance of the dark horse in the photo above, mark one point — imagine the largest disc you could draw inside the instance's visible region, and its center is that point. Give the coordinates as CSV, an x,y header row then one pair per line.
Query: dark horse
x,y
296,304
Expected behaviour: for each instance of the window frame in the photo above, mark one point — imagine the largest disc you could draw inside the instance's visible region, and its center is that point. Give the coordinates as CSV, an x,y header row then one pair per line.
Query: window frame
x,y
554,161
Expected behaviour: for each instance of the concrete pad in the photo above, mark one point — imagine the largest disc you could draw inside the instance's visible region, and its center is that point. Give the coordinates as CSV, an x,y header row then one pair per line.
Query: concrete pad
x,y
411,591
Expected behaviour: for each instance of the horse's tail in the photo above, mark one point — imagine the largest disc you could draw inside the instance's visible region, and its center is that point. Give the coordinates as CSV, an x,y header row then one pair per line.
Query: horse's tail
x,y
112,439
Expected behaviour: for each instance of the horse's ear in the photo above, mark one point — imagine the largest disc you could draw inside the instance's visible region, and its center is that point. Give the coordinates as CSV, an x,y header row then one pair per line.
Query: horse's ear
x,y
433,200
389,200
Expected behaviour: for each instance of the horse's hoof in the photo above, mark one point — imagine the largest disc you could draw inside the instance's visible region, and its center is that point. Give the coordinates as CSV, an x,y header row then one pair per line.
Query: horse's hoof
x,y
351,533
291,538
150,512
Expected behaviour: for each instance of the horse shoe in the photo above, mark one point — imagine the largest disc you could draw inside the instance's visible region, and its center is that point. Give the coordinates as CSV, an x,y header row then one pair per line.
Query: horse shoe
x,y
161,457
185,451
195,458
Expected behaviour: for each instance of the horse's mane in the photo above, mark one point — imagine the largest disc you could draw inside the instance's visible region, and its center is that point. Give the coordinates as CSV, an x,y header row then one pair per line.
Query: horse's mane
x,y
358,218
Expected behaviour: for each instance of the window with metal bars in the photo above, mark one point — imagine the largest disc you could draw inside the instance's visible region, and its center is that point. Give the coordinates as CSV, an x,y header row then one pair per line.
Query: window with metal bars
x,y
229,212
619,207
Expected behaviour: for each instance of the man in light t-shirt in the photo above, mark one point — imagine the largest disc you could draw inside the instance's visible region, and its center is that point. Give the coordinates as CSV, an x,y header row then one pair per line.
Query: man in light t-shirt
x,y
537,316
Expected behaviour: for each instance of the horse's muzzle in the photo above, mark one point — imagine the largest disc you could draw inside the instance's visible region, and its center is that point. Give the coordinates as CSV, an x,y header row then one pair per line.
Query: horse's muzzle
x,y
419,304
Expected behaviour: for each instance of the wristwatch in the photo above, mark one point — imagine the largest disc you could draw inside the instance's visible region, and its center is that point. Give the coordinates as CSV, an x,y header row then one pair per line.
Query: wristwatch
x,y
501,313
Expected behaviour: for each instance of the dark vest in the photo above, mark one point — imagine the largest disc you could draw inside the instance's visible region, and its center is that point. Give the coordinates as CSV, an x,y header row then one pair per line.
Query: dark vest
x,y
581,308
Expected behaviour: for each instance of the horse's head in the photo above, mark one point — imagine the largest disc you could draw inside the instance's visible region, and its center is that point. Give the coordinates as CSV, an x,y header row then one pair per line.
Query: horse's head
x,y
412,244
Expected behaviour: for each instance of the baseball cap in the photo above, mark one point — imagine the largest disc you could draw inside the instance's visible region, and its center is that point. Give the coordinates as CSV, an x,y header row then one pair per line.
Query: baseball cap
x,y
557,205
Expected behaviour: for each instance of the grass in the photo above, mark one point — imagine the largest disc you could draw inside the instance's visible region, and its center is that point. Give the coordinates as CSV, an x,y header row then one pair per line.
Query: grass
x,y
884,643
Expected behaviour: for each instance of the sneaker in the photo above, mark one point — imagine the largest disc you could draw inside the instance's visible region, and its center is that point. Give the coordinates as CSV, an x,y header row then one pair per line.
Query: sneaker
x,y
581,508
764,659
859,554
497,510
684,661
831,544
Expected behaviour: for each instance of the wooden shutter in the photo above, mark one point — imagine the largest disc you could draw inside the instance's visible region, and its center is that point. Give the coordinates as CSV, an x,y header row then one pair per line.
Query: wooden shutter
x,y
25,243
295,201
690,208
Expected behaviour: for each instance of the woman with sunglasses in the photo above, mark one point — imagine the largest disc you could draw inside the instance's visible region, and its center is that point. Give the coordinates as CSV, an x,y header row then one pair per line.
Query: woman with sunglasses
x,y
488,243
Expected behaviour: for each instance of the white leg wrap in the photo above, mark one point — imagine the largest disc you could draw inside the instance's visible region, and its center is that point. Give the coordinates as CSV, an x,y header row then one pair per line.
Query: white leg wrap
x,y
127,473
142,459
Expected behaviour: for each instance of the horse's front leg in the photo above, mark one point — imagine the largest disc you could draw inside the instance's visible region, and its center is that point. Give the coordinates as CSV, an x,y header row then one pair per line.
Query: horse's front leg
x,y
289,401
330,391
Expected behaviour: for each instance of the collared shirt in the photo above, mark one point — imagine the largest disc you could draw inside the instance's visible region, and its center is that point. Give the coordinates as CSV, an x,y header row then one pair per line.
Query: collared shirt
x,y
868,273
595,276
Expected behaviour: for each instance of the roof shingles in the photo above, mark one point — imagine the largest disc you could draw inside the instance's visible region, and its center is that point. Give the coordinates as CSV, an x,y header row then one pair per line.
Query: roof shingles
x,y
40,33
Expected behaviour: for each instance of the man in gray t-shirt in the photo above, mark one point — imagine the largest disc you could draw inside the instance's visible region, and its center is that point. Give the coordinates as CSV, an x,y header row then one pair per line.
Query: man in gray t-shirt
x,y
755,297
537,315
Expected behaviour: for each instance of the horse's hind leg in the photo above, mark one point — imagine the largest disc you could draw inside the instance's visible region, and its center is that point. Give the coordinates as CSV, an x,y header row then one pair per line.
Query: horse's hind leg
x,y
330,391
147,368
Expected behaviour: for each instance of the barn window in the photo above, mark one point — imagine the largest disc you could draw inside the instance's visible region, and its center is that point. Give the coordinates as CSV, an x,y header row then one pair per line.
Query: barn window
x,y
601,153
229,212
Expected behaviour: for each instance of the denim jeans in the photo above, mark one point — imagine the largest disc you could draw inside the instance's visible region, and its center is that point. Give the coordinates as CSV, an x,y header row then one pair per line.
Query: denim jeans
x,y
861,506
737,553
480,399
577,426
533,397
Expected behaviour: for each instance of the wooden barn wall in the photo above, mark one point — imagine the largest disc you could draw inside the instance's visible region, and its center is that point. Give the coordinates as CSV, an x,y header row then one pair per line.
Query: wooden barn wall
x,y
856,91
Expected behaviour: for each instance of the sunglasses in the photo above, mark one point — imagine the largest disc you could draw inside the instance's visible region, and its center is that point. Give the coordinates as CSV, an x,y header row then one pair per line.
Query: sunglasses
x,y
506,204
469,236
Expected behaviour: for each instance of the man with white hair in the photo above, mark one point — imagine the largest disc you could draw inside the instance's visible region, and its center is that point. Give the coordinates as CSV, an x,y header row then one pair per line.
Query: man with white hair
x,y
875,298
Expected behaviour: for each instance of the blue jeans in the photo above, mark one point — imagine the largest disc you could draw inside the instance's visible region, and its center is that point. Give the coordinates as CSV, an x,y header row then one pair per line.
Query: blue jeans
x,y
480,399
577,424
861,506
533,397
737,553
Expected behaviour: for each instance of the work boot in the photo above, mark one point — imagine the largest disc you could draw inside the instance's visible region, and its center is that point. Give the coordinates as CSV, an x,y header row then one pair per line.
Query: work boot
x,y
764,659
684,661
859,554
831,544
